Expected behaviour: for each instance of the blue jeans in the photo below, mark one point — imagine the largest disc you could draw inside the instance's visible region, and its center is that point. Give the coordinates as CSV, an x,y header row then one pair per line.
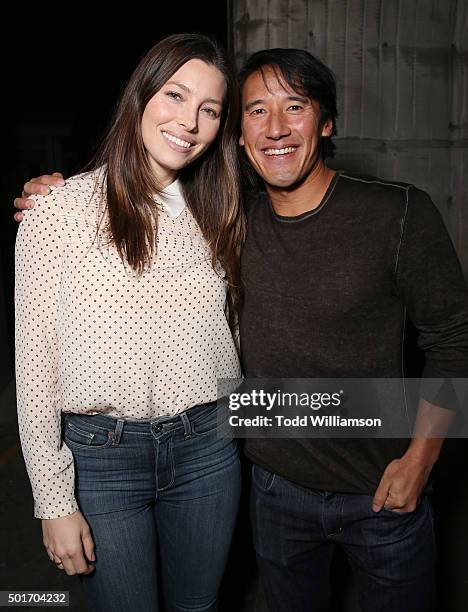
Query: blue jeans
x,y
161,499
295,530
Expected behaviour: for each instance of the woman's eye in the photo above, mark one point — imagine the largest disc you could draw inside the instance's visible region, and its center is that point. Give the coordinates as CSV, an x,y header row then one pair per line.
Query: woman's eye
x,y
174,95
210,112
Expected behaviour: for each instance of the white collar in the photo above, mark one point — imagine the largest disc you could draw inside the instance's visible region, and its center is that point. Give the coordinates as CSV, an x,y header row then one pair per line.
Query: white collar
x,y
172,199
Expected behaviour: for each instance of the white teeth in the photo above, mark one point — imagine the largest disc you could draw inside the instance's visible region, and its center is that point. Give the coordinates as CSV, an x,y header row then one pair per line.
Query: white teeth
x,y
181,143
280,151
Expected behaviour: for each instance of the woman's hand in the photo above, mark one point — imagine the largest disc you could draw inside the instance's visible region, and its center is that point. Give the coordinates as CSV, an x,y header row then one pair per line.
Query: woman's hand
x,y
69,543
39,186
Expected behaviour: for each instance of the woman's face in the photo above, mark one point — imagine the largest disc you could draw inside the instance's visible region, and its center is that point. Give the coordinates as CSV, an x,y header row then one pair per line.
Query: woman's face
x,y
182,119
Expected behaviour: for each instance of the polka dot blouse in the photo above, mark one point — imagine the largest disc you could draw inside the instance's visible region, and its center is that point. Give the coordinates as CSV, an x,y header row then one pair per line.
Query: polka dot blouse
x,y
92,336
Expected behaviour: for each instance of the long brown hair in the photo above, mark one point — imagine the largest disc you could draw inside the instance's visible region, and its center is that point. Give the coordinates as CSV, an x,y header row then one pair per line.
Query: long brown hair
x,y
210,184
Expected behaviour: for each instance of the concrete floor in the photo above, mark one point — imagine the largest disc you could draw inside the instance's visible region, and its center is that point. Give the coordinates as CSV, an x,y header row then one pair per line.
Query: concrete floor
x,y
24,564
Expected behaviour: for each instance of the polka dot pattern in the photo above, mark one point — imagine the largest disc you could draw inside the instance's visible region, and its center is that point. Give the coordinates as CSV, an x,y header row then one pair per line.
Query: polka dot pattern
x,y
92,336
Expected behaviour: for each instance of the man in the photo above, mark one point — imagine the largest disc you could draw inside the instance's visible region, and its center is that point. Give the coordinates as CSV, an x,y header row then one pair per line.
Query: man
x,y
332,266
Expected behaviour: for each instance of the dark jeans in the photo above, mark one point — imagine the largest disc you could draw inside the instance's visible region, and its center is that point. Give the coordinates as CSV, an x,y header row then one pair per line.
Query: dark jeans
x,y
295,530
161,499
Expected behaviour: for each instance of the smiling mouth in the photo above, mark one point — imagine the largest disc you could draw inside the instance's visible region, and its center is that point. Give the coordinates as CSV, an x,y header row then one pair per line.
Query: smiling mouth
x,y
177,141
285,151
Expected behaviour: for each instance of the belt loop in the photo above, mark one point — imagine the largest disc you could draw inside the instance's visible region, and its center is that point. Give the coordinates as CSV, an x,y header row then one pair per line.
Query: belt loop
x,y
118,431
187,426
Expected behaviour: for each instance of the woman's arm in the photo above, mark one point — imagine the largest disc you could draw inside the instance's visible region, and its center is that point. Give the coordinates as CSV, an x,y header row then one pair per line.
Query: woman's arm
x,y
49,462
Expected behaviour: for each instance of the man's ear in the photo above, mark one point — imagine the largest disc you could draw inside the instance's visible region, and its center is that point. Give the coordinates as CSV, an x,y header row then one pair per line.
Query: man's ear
x,y
327,128
241,140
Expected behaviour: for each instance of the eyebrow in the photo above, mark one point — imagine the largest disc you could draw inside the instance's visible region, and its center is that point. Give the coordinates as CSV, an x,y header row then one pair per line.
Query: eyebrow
x,y
188,90
253,103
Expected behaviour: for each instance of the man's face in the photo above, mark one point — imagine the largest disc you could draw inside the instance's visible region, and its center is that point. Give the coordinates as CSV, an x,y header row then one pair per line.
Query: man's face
x,y
280,129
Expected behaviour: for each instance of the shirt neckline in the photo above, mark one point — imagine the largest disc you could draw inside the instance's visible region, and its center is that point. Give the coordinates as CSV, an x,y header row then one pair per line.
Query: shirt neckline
x,y
172,199
308,213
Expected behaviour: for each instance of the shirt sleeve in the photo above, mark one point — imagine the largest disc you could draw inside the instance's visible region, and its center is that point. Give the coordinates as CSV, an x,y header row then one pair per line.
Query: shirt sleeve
x,y
431,284
38,258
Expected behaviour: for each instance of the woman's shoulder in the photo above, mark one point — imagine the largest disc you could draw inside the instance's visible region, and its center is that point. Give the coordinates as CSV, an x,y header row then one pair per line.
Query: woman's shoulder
x,y
79,197
80,191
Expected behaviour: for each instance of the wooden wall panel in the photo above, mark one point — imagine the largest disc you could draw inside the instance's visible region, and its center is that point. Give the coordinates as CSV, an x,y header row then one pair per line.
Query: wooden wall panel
x,y
402,80
458,130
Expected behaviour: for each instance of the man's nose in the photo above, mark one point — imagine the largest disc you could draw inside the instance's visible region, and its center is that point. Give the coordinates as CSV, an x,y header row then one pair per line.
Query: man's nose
x,y
277,126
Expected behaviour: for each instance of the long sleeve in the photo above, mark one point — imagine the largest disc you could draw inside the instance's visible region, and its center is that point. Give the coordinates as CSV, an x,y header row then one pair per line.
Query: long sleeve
x,y
49,462
431,285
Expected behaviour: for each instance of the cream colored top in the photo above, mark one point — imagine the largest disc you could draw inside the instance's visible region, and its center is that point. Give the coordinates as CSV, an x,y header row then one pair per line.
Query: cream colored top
x,y
92,336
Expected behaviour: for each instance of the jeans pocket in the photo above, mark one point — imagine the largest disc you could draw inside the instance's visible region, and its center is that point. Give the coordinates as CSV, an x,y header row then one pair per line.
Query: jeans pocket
x,y
262,478
86,436
421,509
210,421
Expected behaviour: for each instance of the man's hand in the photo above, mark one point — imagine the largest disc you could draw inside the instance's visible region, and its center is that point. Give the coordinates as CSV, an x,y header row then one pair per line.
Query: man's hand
x,y
69,543
39,186
402,484
404,479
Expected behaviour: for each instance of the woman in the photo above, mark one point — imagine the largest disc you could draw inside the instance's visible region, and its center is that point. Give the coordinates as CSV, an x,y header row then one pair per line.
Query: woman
x,y
123,279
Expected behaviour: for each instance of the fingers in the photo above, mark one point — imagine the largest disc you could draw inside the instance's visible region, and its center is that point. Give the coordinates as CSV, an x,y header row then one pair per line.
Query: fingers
x,y
36,186
32,187
75,563
395,510
63,540
88,546
380,496
401,506
40,184
23,203
68,566
55,179
397,502
53,557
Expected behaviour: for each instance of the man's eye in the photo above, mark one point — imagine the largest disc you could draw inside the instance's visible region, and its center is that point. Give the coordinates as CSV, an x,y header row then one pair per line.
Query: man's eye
x,y
174,95
295,107
258,111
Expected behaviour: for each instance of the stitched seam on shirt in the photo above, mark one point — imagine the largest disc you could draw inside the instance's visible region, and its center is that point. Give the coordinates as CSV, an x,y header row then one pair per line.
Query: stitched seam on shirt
x,y
402,233
403,334
397,261
373,181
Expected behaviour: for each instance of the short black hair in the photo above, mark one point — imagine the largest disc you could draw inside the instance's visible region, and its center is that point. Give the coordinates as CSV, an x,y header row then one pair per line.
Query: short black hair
x,y
306,75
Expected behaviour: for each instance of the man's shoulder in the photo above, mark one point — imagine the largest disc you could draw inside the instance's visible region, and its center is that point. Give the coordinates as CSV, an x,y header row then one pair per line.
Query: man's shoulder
x,y
367,182
383,193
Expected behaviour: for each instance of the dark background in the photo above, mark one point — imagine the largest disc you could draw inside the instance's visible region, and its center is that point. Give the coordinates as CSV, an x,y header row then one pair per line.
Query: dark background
x,y
62,74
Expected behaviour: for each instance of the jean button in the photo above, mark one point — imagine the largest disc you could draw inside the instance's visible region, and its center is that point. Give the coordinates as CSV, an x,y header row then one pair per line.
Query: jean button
x,y
157,428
